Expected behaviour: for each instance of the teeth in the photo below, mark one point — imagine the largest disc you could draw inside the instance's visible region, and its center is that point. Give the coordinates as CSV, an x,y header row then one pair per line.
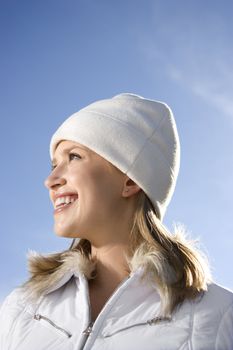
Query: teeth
x,y
64,200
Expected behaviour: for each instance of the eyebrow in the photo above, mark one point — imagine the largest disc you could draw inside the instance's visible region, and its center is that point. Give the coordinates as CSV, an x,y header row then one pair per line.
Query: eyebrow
x,y
68,149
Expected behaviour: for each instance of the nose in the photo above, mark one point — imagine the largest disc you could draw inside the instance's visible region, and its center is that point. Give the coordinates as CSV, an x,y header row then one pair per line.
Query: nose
x,y
54,180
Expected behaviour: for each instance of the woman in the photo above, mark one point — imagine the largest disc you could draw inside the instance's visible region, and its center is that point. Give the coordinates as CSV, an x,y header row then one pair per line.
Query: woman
x,y
125,282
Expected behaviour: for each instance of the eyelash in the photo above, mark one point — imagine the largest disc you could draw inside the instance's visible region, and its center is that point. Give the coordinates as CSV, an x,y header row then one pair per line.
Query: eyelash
x,y
74,155
71,156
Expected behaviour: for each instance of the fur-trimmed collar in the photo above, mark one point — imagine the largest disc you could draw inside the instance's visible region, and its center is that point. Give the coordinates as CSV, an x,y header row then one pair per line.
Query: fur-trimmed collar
x,y
49,272
176,268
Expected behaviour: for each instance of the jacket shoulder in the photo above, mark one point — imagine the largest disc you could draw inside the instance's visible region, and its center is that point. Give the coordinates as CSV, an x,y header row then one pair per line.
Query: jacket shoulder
x,y
10,310
213,316
216,291
216,298
15,300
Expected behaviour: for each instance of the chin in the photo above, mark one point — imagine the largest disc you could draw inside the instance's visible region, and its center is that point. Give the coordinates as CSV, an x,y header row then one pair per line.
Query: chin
x,y
67,232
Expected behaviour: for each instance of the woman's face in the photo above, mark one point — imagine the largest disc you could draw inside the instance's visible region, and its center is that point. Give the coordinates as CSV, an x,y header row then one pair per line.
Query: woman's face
x,y
86,191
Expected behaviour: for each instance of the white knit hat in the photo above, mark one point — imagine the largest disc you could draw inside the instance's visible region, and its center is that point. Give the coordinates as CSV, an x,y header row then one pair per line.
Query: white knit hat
x,y
137,135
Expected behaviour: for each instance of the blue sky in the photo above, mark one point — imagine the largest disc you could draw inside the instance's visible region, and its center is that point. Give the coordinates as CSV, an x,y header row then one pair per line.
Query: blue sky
x,y
57,56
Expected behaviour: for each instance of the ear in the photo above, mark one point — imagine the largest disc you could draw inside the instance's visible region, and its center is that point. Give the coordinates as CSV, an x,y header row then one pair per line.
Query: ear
x,y
130,188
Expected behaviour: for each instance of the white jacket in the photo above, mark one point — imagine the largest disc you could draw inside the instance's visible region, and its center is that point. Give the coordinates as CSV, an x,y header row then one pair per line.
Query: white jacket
x,y
60,319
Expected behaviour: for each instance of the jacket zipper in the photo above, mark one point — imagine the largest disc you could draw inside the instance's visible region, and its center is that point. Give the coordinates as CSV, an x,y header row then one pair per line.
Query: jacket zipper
x,y
86,333
88,330
151,322
39,317
158,319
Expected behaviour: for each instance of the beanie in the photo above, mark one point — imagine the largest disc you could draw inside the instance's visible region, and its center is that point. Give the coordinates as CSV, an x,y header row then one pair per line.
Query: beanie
x,y
135,134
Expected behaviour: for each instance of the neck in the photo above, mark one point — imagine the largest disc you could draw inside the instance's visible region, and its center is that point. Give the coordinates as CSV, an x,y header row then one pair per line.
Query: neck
x,y
111,270
111,264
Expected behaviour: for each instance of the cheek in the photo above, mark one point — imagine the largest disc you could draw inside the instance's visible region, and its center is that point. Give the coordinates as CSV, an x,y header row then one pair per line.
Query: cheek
x,y
107,191
89,186
96,186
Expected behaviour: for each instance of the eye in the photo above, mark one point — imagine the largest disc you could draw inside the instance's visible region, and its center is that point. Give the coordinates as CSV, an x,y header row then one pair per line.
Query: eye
x,y
53,166
73,156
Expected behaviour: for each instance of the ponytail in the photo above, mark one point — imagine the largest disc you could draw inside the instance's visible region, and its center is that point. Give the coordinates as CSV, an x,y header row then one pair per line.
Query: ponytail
x,y
178,269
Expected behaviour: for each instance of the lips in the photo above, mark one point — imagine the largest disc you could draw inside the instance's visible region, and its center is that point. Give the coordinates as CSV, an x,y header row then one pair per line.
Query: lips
x,y
63,201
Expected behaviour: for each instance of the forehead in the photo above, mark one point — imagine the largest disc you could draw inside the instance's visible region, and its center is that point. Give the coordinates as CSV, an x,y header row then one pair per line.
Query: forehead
x,y
65,146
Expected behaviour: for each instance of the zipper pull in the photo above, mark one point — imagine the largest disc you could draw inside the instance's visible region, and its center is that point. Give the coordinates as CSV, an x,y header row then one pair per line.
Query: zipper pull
x,y
88,330
37,317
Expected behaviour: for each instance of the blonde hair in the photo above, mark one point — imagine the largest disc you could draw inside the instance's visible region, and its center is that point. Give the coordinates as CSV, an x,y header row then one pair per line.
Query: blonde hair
x,y
179,270
175,266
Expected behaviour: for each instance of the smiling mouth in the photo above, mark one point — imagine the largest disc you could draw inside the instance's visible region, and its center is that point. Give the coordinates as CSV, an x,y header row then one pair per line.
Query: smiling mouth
x,y
63,203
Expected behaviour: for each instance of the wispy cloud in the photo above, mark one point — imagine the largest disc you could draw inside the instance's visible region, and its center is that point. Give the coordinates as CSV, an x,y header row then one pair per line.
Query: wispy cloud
x,y
213,90
195,52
